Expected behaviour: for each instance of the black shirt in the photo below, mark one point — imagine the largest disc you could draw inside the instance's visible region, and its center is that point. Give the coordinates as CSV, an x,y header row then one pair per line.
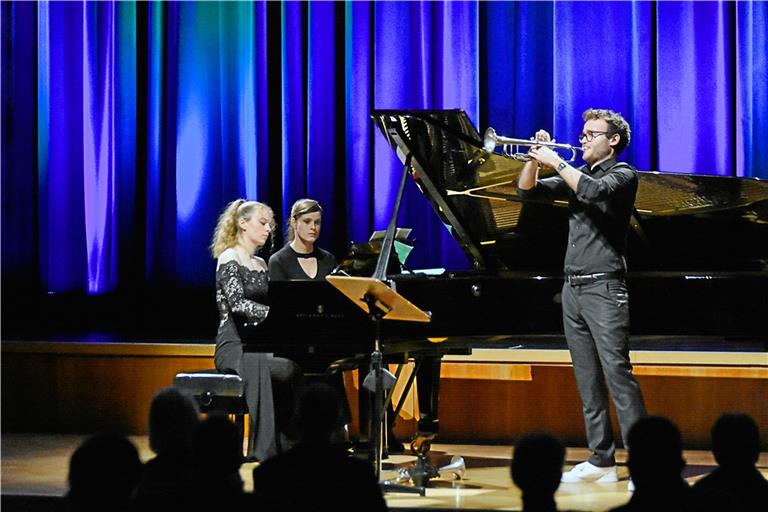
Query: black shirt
x,y
284,264
600,212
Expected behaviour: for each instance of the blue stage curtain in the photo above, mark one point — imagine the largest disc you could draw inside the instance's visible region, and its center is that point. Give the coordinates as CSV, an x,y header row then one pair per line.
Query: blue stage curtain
x,y
430,66
127,126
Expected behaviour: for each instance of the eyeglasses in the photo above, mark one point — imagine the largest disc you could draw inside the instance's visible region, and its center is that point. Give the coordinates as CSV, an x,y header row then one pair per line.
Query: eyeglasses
x,y
590,135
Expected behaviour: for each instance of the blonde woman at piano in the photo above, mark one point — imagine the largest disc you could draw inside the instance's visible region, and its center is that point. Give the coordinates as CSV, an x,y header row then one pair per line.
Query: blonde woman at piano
x,y
300,258
241,289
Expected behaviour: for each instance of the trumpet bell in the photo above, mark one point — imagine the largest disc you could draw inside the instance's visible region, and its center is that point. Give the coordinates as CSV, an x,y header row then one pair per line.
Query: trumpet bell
x,y
489,140
457,466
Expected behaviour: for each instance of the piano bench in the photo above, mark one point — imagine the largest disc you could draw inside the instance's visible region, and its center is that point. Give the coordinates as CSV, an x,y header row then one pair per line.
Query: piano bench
x,y
217,393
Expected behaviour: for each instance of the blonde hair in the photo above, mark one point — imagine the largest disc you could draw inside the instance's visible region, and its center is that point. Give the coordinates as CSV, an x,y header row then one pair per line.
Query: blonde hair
x,y
225,234
299,208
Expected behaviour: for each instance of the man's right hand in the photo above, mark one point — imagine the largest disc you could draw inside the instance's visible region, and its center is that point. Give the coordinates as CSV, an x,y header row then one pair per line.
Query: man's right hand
x,y
529,173
541,136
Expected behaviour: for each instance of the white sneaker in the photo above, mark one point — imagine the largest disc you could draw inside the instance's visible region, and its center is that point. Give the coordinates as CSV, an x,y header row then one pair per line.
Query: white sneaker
x,y
588,472
631,486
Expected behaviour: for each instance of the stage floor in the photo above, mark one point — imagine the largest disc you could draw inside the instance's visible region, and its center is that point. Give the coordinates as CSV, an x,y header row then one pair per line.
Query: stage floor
x,y
36,465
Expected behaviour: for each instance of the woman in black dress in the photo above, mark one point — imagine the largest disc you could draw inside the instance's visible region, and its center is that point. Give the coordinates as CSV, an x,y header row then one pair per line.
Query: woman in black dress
x,y
300,258
241,290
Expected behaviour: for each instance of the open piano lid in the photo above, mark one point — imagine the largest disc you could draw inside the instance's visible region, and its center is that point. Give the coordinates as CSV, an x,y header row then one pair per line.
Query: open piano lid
x,y
682,222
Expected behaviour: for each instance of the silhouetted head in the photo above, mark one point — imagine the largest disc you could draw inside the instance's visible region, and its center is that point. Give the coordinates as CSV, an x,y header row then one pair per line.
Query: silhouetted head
x,y
655,452
103,472
735,441
319,413
172,419
218,447
537,464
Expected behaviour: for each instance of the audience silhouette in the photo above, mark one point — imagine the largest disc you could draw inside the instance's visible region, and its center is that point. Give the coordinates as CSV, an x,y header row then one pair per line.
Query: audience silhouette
x,y
167,478
736,482
217,456
537,465
655,465
197,466
317,474
103,473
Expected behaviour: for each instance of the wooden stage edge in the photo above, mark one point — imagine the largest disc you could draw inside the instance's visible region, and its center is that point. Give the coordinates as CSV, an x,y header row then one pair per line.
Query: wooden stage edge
x,y
738,361
490,396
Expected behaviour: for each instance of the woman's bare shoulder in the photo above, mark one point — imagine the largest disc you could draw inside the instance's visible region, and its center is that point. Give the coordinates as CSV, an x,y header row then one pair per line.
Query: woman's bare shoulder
x,y
227,256
259,263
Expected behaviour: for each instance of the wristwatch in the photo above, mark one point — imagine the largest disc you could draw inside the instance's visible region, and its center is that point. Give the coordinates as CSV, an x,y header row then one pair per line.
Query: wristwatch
x,y
561,166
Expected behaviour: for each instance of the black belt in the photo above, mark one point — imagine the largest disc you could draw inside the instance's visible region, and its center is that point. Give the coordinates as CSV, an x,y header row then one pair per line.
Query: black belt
x,y
576,280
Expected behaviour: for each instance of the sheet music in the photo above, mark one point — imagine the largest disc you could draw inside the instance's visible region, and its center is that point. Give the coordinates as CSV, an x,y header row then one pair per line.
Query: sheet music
x,y
400,234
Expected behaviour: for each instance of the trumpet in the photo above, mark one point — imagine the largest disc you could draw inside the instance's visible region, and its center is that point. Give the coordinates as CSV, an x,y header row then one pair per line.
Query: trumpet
x,y
510,147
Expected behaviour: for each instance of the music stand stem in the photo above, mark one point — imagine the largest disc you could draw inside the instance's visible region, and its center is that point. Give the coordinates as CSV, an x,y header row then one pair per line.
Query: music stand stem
x,y
375,313
381,301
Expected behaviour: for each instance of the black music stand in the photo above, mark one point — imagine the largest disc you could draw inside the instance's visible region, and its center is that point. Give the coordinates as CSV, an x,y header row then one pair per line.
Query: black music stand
x,y
380,302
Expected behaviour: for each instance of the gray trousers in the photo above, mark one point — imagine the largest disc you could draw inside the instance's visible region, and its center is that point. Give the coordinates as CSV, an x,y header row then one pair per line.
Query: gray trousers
x,y
596,322
271,387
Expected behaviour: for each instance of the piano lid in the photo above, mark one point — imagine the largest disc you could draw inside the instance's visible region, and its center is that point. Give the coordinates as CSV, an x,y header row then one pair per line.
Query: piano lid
x,y
682,222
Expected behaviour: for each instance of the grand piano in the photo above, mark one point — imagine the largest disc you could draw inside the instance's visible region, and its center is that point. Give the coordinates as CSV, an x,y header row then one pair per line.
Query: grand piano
x,y
697,258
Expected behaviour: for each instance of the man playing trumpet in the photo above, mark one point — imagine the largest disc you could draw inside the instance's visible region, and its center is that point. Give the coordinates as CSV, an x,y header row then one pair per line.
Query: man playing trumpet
x,y
601,196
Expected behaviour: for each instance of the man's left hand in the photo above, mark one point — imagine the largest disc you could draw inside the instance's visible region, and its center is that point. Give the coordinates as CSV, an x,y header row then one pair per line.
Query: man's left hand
x,y
545,156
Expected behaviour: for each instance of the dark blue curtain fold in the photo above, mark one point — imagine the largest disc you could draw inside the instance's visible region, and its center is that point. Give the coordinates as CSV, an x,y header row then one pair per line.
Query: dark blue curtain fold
x,y
19,186
602,56
128,126
358,132
324,122
751,70
62,230
516,51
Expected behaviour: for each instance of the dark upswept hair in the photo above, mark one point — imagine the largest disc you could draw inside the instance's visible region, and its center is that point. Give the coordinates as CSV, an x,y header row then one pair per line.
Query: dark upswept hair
x,y
225,234
616,124
299,208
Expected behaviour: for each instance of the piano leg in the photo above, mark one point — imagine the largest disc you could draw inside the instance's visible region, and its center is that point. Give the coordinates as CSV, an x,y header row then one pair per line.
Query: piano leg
x,y
428,391
363,405
392,445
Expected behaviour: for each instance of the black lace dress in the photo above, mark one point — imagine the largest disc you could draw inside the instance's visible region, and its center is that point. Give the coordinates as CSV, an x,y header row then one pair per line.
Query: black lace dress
x,y
269,381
